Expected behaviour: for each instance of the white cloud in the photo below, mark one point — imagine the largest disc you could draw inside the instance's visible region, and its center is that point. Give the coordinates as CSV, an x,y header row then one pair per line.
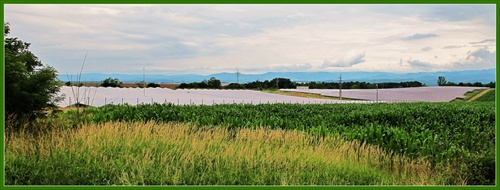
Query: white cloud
x,y
452,47
347,60
203,39
427,48
486,41
418,63
478,59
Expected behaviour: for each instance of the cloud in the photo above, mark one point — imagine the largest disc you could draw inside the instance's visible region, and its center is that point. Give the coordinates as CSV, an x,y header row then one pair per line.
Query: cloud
x,y
457,13
482,56
419,36
478,59
428,48
416,63
485,41
349,59
176,38
452,47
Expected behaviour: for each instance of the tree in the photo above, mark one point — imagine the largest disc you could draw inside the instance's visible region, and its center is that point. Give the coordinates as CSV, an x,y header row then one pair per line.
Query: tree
x,y
214,83
441,81
153,85
109,82
281,83
30,86
140,84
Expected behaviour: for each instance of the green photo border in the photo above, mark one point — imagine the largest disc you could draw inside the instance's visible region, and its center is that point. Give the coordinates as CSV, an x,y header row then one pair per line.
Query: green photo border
x,y
2,94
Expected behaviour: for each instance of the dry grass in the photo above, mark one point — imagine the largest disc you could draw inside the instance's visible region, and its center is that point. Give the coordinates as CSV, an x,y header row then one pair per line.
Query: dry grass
x,y
174,154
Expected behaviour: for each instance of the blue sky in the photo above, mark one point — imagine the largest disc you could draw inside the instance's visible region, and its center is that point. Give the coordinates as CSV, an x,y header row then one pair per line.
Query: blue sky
x,y
213,38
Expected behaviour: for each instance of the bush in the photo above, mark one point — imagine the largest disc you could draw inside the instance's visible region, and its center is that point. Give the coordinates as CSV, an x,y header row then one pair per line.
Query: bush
x,y
109,82
153,85
481,169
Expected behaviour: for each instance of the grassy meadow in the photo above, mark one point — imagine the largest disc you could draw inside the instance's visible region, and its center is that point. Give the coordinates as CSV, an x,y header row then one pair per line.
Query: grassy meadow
x,y
135,153
275,144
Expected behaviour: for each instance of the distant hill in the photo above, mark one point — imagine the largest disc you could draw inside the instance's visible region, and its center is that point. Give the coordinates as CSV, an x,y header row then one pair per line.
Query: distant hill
x,y
428,78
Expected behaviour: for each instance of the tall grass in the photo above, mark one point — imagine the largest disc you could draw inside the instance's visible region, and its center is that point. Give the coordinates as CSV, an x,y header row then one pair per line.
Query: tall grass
x,y
178,154
444,133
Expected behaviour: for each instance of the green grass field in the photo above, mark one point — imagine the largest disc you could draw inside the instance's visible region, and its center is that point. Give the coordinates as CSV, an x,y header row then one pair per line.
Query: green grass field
x,y
488,97
275,144
137,153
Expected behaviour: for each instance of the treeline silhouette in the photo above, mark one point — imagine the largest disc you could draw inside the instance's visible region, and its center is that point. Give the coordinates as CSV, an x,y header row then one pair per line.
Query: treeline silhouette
x,y
475,84
277,83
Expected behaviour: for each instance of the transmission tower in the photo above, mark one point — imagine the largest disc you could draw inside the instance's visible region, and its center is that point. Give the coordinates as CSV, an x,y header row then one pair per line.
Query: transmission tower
x,y
238,76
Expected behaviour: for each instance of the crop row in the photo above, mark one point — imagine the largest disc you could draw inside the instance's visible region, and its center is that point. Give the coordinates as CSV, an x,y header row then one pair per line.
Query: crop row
x,y
438,131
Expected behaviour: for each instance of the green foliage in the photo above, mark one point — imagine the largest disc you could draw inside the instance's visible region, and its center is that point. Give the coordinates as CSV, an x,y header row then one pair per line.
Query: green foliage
x,y
149,85
488,97
136,153
30,86
110,82
212,83
153,85
441,81
286,83
436,131
140,84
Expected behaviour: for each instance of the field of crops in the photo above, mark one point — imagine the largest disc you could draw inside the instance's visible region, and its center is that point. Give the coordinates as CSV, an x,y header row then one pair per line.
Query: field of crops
x,y
150,153
440,132
450,143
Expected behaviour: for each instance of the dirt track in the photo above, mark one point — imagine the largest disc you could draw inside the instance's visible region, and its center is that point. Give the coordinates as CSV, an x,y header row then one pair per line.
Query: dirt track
x,y
479,95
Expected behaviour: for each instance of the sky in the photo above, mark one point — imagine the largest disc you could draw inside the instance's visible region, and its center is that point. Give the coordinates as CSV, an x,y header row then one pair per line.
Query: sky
x,y
252,39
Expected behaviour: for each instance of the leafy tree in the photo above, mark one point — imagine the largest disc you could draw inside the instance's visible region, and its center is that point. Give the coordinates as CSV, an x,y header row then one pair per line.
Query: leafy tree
x,y
110,82
214,83
153,85
281,83
441,81
491,84
140,84
449,83
30,86
235,86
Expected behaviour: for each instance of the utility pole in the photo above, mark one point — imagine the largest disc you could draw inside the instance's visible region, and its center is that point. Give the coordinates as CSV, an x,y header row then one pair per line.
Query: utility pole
x,y
377,92
340,87
238,76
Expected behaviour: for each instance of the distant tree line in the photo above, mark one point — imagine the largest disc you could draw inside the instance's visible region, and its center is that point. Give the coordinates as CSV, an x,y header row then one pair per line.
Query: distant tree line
x,y
442,82
212,83
278,83
115,82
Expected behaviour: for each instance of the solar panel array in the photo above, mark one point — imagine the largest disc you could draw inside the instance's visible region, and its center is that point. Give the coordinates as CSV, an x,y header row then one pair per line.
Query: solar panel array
x,y
99,96
426,94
